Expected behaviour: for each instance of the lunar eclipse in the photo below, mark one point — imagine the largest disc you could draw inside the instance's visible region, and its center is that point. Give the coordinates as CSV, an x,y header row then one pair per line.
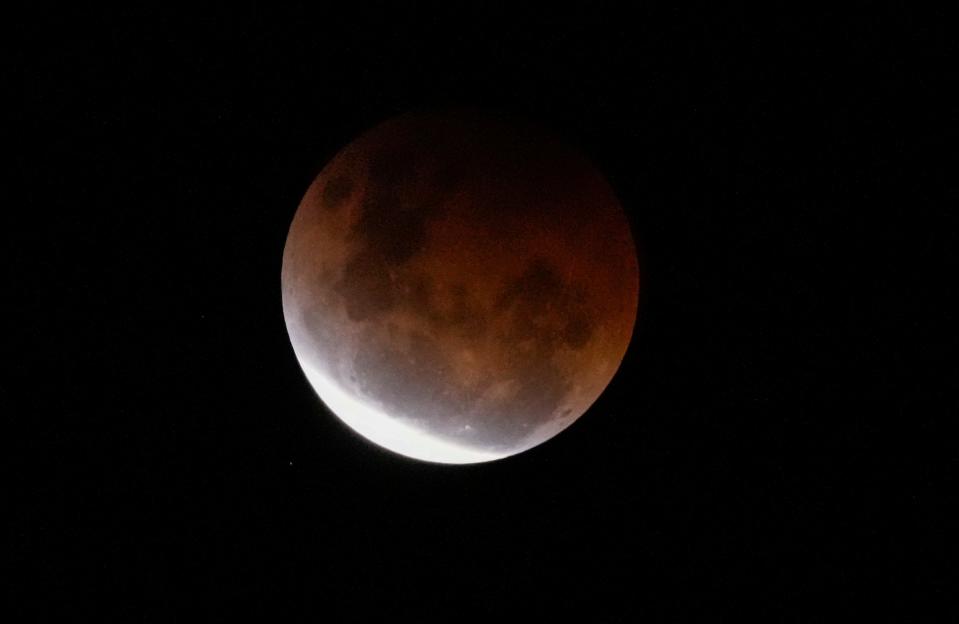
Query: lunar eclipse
x,y
459,288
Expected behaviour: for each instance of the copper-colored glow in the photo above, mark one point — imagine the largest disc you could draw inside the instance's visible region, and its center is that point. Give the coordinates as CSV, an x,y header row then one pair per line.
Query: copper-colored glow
x,y
468,281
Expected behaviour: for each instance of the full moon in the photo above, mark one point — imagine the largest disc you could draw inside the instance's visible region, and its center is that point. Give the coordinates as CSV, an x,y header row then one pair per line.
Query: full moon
x,y
459,288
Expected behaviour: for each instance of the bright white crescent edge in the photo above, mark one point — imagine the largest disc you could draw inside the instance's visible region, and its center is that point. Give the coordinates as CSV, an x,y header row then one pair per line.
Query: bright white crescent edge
x,y
387,432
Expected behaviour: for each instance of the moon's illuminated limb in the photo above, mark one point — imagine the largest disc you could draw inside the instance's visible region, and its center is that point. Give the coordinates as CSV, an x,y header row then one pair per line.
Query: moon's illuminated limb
x,y
388,432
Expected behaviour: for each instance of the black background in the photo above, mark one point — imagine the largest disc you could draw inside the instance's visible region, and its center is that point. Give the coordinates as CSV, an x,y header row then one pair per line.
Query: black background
x,y
775,438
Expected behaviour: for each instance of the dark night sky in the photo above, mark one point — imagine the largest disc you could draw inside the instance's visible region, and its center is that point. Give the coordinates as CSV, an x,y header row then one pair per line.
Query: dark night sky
x,y
775,437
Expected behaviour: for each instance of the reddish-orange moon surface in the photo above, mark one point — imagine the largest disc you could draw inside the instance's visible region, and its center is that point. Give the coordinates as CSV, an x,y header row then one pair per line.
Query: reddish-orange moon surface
x,y
459,288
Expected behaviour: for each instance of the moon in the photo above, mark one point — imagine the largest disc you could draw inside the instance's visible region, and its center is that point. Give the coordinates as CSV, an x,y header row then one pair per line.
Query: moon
x,y
459,287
